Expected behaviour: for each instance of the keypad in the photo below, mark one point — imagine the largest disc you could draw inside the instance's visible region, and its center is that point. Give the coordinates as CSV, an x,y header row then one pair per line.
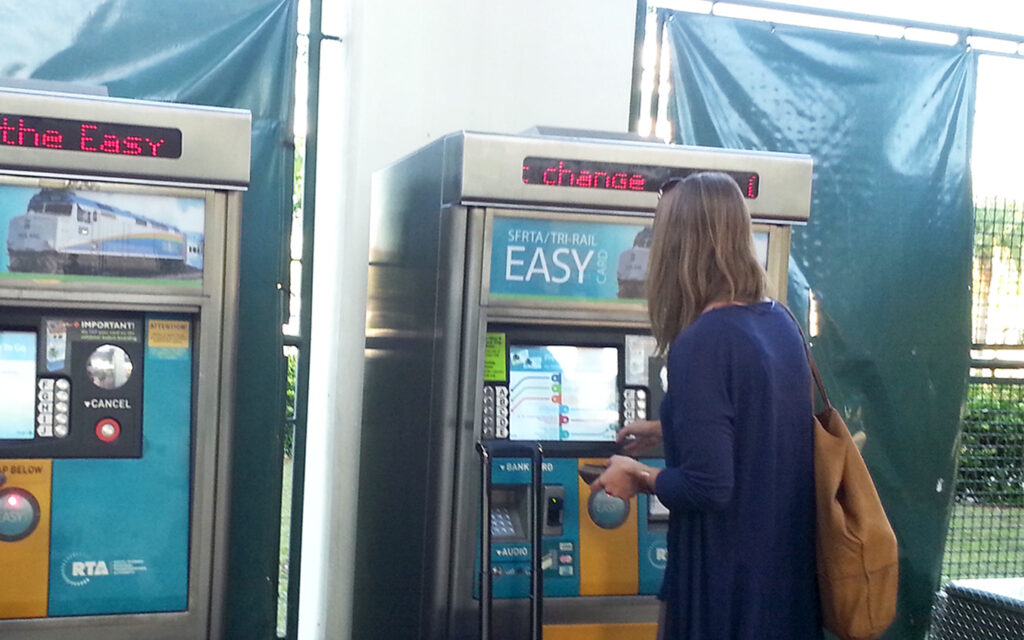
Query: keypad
x,y
502,524
634,405
53,411
495,412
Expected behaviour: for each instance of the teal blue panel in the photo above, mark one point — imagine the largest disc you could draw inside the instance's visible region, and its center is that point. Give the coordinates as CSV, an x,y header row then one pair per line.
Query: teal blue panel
x,y
887,251
652,544
120,528
230,53
512,559
558,259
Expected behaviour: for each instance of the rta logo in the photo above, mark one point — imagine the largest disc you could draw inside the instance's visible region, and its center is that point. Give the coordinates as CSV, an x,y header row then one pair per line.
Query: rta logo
x,y
657,554
77,572
90,568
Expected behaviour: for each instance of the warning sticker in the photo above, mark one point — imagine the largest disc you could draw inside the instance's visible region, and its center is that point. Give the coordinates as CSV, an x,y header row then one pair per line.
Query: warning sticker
x,y
168,333
494,358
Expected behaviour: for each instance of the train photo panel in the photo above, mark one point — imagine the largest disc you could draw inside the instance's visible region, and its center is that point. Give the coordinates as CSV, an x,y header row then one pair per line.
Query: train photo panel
x,y
72,234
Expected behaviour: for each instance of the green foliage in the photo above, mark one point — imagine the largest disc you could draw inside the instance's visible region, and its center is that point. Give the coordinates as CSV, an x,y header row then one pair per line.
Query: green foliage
x,y
992,446
290,389
298,177
983,542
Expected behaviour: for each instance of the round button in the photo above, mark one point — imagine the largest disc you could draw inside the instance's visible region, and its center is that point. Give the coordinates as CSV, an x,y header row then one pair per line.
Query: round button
x,y
63,384
19,514
607,512
108,429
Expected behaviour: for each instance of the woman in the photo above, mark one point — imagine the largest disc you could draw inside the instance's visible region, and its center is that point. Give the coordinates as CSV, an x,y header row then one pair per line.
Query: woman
x,y
737,429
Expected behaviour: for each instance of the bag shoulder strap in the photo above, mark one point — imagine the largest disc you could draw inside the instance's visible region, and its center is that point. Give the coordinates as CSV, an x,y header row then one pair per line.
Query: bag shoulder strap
x,y
810,358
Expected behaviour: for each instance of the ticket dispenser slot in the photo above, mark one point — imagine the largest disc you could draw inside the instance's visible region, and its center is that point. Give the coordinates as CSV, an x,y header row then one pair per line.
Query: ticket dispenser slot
x,y
554,509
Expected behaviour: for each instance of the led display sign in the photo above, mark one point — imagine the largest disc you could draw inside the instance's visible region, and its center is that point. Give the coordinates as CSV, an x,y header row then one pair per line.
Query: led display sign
x,y
89,136
617,176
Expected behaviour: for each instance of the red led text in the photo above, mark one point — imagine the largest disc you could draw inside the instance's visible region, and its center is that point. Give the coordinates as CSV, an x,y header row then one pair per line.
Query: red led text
x,y
22,135
564,177
91,140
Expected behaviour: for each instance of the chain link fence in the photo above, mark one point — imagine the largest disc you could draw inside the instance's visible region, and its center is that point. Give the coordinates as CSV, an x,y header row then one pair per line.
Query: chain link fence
x,y
998,318
985,540
986,532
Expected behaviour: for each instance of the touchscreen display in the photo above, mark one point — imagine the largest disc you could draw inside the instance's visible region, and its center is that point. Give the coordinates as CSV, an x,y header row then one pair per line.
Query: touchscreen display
x,y
17,384
563,393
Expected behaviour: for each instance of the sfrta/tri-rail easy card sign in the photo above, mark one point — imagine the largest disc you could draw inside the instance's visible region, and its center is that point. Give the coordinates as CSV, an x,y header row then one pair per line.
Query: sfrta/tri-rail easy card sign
x,y
568,260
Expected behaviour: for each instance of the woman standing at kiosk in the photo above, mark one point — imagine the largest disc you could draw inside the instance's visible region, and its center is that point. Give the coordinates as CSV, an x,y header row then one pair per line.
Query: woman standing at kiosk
x,y
737,429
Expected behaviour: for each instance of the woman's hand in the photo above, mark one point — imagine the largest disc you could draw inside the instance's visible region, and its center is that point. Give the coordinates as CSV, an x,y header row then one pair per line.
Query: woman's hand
x,y
646,434
623,478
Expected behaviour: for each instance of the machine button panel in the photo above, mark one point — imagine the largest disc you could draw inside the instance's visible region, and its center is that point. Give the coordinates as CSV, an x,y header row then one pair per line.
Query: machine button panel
x,y
634,405
108,429
494,418
19,514
78,372
504,523
607,512
53,411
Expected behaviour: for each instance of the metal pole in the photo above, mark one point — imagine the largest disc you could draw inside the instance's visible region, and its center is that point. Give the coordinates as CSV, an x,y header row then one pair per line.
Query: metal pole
x,y
301,341
486,584
659,48
963,32
536,575
635,96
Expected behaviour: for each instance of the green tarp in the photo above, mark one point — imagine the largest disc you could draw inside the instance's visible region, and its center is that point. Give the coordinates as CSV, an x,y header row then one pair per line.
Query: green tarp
x,y
887,251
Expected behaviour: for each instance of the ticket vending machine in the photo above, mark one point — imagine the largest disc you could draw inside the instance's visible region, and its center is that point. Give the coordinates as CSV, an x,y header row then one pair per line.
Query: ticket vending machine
x,y
506,305
119,229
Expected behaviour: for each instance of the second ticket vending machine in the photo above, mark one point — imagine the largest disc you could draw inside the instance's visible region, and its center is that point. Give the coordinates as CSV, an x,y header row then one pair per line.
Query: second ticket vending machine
x,y
506,306
119,240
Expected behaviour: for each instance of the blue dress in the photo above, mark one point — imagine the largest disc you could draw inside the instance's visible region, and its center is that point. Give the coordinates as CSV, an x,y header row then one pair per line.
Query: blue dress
x,y
739,480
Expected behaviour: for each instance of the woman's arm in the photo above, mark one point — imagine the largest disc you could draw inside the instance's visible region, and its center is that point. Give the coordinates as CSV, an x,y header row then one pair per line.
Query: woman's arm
x,y
639,436
626,477
701,422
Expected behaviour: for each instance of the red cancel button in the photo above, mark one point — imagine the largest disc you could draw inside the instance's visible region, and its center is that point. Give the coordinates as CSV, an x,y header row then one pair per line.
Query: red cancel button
x,y
108,429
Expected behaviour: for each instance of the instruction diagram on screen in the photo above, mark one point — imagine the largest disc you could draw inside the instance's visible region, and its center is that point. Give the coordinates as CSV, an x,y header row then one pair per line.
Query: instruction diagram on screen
x,y
565,393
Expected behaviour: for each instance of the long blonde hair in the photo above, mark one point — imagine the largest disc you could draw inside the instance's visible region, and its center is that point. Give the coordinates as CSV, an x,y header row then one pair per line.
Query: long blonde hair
x,y
702,252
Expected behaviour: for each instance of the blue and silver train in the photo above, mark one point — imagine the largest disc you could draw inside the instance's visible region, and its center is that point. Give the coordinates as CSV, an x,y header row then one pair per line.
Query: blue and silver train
x,y
62,232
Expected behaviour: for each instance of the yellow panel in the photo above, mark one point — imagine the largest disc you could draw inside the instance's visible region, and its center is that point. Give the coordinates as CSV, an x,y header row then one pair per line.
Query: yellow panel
x,y
639,631
608,557
27,559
